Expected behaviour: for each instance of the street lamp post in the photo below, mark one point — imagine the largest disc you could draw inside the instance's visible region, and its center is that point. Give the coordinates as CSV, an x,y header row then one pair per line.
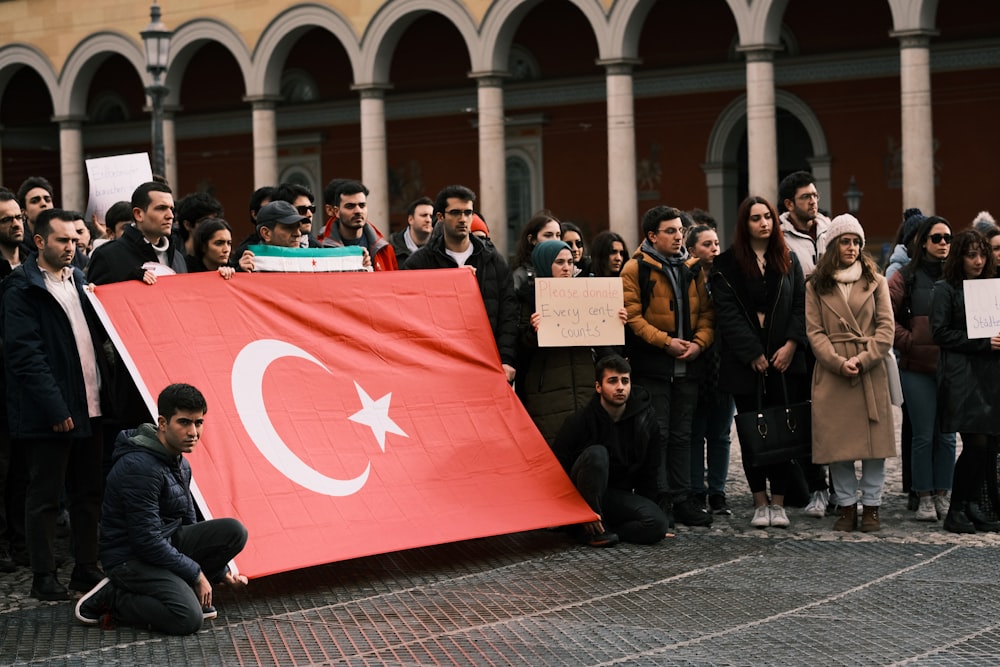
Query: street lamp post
x,y
853,197
156,40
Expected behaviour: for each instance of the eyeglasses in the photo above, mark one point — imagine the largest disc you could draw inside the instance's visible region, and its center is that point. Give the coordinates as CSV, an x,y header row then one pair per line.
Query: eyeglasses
x,y
459,213
305,209
574,244
7,219
806,196
937,238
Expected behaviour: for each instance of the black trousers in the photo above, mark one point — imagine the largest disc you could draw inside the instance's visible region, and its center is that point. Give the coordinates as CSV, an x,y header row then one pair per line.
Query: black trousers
x,y
152,597
54,464
634,518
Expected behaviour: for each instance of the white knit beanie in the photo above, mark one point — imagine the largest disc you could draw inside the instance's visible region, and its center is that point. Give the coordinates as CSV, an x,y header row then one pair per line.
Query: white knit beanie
x,y
845,223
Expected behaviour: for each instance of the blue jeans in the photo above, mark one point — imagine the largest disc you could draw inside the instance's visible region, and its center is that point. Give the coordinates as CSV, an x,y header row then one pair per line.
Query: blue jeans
x,y
932,454
846,483
710,438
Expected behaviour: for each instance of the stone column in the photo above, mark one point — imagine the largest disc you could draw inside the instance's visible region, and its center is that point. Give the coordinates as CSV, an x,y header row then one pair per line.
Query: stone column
x,y
73,196
917,125
623,204
170,151
492,195
265,141
762,133
374,159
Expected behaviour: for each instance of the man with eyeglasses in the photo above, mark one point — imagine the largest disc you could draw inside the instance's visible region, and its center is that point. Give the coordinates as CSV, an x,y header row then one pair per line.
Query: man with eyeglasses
x,y
456,246
348,226
419,225
300,197
34,196
671,322
804,226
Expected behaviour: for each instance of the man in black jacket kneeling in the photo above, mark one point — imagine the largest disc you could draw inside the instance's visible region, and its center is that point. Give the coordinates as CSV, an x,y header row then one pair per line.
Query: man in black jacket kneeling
x,y
160,561
613,453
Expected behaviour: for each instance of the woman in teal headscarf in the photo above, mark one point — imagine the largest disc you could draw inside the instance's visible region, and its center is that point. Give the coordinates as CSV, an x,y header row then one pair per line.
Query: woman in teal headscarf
x,y
558,380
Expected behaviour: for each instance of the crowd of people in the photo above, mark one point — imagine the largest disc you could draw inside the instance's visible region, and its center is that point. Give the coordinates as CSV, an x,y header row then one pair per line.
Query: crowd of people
x,y
794,310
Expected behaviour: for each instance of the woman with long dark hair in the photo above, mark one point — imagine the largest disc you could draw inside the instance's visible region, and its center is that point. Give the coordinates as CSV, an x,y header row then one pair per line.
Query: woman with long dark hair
x,y
932,454
850,327
758,290
607,255
213,245
572,236
543,226
966,381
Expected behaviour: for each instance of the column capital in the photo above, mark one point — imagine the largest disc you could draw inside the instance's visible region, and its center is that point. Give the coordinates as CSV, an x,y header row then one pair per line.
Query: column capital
x,y
918,38
372,90
489,79
69,122
759,52
618,65
263,102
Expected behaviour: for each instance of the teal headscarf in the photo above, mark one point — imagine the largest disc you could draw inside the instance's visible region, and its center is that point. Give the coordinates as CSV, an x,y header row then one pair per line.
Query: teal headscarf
x,y
544,254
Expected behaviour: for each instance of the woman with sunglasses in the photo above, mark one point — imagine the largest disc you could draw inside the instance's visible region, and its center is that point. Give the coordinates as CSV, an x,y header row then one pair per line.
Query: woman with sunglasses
x,y
966,381
850,328
572,235
932,454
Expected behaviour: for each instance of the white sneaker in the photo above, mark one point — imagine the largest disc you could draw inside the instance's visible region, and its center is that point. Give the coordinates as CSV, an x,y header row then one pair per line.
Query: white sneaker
x,y
941,504
817,505
926,511
761,517
778,517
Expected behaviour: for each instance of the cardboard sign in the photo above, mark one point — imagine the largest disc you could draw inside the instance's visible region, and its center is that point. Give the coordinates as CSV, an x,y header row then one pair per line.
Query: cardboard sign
x,y
114,179
982,307
578,312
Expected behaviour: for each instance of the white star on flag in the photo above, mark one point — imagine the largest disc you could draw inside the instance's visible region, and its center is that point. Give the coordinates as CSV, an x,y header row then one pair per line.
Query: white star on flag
x,y
375,415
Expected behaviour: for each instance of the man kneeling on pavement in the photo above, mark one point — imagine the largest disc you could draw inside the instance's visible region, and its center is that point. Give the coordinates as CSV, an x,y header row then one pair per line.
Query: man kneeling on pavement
x,y
613,453
160,561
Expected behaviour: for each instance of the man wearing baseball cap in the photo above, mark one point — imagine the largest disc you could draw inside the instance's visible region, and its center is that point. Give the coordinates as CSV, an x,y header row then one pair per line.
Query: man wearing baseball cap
x,y
278,224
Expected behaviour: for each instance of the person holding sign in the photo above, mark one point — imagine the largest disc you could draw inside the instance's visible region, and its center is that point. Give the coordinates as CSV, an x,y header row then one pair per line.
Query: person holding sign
x,y
557,379
966,381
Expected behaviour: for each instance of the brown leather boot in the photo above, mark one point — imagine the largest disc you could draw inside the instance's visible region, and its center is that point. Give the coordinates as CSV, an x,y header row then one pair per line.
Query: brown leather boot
x,y
848,520
869,519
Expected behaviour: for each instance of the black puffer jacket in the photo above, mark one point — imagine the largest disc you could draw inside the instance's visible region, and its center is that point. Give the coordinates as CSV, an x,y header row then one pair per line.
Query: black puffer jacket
x,y
967,370
147,498
741,338
633,443
495,285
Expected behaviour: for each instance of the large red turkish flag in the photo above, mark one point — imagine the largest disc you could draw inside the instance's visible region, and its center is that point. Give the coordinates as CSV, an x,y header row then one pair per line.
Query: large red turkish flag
x,y
348,414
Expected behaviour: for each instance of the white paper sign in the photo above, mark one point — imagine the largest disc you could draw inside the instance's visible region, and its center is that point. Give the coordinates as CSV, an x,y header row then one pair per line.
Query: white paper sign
x,y
114,179
579,311
982,307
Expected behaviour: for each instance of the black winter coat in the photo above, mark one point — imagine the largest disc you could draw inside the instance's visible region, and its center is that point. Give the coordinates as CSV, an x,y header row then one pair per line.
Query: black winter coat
x,y
495,285
967,370
633,442
122,259
45,382
740,336
146,500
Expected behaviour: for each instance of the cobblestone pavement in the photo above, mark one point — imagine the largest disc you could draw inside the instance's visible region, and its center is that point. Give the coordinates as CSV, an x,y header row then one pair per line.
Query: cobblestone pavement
x,y
725,595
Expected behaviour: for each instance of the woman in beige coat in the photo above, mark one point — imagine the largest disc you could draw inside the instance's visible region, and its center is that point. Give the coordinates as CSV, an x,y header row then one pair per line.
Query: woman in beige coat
x,y
850,328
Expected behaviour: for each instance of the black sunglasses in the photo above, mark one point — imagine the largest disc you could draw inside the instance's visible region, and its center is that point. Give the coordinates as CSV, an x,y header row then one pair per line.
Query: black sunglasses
x,y
937,238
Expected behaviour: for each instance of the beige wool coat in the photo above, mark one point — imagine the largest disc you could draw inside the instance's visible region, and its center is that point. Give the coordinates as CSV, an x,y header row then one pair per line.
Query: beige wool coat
x,y
851,417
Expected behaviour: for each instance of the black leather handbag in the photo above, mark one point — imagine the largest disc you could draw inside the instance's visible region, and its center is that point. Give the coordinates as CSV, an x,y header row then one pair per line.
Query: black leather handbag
x,y
776,434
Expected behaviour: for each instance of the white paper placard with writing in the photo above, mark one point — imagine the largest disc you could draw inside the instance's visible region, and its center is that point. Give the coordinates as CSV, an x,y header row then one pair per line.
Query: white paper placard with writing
x,y
982,307
579,312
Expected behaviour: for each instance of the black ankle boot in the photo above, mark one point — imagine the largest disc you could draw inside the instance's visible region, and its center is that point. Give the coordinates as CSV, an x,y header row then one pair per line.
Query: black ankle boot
x,y
956,521
979,520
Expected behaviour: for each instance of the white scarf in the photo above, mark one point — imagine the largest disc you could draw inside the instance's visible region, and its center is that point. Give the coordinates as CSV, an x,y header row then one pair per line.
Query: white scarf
x,y
847,276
